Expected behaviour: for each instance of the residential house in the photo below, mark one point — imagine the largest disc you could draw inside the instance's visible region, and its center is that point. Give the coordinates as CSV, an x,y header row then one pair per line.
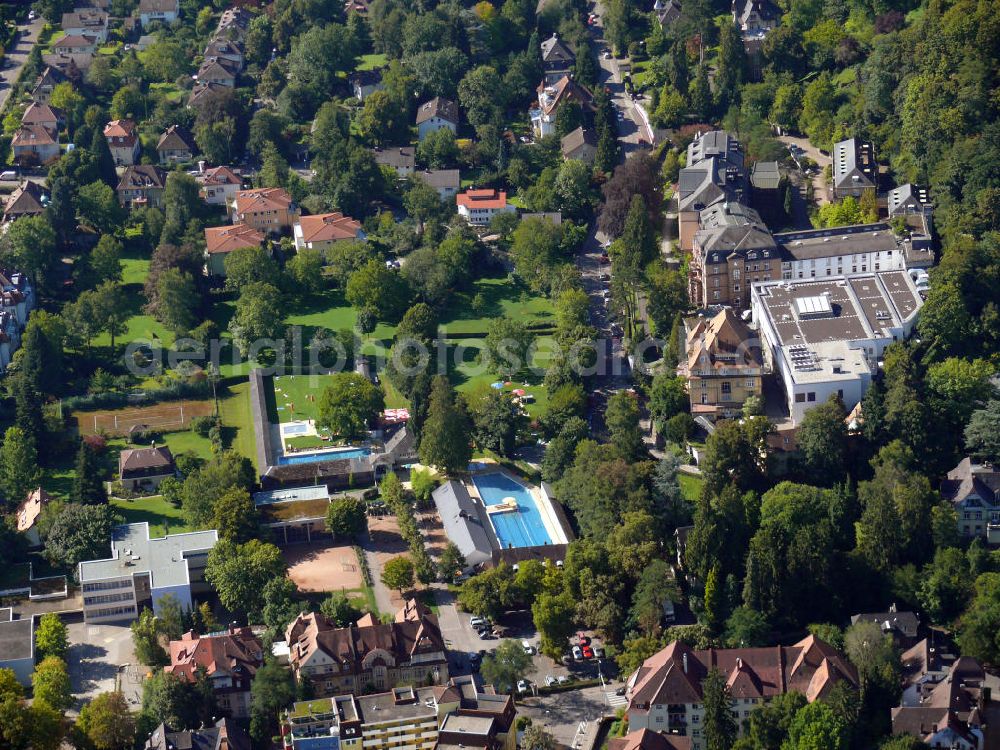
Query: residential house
x,y
176,145
226,49
17,300
364,83
722,362
163,11
142,570
323,231
402,160
219,185
28,199
34,145
17,635
436,114
447,717
229,660
142,185
925,664
223,735
854,168
268,209
478,207
79,48
49,78
558,60
50,118
904,627
27,514
824,337
949,713
368,654
89,22
142,469
665,693
755,16
445,181
667,12
297,514
233,24
220,241
65,65
204,91
714,174
646,739
551,97
908,200
220,71
580,144
973,489
123,141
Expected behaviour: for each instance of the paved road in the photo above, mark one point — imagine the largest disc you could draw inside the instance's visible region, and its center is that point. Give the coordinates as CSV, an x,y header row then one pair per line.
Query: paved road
x,y
629,131
17,56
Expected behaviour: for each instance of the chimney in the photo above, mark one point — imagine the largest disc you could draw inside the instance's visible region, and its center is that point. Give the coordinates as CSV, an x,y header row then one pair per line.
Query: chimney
x,y
739,662
684,659
201,166
892,607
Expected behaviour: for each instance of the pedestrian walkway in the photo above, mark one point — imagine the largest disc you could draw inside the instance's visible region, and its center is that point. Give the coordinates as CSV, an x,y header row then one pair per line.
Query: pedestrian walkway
x,y
616,701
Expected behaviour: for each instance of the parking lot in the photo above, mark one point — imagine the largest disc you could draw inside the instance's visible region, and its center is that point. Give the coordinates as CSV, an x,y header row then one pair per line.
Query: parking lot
x,y
101,659
572,715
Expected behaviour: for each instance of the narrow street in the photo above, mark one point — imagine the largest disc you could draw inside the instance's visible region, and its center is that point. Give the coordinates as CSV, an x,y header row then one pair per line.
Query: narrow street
x,y
17,56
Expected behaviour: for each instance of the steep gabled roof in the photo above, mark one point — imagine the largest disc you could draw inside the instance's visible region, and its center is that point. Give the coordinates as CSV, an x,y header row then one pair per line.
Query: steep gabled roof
x,y
139,176
26,200
438,107
646,739
553,50
33,135
176,138
143,459
235,653
725,340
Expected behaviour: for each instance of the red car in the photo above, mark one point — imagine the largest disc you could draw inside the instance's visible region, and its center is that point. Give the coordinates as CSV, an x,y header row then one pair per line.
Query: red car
x,y
588,652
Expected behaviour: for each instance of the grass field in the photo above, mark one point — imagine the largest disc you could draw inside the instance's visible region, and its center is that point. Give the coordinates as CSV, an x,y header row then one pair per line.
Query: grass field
x,y
690,486
237,425
162,517
290,400
501,298
371,62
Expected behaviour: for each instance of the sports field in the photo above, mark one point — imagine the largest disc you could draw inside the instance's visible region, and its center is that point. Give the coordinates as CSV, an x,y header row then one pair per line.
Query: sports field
x,y
169,416
294,398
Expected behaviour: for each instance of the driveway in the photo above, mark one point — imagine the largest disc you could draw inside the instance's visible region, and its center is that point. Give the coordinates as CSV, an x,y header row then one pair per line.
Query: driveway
x,y
820,194
573,715
17,56
101,658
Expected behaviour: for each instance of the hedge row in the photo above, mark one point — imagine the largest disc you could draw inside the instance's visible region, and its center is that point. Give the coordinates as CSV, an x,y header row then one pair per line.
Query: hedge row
x,y
117,399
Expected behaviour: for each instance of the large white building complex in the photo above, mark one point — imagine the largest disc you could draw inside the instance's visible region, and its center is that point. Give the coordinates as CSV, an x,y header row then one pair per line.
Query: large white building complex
x,y
825,335
141,571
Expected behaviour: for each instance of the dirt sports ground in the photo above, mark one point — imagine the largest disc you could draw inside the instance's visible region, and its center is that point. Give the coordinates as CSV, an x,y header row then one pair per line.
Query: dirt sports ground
x,y
323,567
166,417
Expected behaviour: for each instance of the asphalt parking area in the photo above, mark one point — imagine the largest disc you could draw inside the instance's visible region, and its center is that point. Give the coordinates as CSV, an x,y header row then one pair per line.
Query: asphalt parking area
x,y
100,659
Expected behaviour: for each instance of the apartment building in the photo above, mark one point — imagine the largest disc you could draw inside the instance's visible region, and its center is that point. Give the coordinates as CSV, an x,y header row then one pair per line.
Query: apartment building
x,y
323,231
824,337
368,655
665,693
714,174
267,209
229,660
722,362
460,714
142,570
854,168
220,241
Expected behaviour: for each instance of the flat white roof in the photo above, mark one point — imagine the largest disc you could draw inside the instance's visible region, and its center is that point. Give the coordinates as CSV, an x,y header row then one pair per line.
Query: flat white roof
x,y
132,551
314,492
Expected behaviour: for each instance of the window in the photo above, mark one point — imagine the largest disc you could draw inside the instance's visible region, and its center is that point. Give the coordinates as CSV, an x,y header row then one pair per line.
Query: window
x,y
828,272
736,288
727,387
715,294
810,396
749,383
800,398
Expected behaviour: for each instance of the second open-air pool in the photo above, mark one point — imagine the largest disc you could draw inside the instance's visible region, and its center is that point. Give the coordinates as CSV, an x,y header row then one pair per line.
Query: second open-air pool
x,y
331,455
522,527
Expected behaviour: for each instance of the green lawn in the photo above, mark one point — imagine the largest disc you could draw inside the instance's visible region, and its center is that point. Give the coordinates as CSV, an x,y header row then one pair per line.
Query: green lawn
x,y
372,62
168,90
237,424
162,517
690,486
469,375
501,297
135,270
291,397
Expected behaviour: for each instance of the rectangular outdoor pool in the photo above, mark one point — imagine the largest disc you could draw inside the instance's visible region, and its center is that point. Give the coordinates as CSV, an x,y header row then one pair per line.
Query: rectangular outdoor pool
x,y
514,528
332,455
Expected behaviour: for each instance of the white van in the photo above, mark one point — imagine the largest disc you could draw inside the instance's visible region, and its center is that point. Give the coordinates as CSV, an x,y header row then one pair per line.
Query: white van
x,y
8,174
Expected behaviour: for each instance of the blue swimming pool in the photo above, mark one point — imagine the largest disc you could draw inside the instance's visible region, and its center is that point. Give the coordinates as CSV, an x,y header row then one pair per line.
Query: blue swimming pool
x,y
333,455
520,528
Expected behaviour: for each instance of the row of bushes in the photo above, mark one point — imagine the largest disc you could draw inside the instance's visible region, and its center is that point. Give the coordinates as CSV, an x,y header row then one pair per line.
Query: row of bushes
x,y
366,573
177,391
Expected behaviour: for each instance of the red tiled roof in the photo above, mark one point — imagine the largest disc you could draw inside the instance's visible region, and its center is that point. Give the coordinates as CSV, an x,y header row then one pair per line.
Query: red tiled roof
x,y
219,176
228,238
489,198
262,199
33,135
329,227
236,653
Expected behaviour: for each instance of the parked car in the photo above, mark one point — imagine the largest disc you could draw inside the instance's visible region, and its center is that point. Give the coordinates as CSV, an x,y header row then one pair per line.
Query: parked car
x,y
598,652
528,648
479,623
588,652
577,653
550,680
562,679
487,635
606,55
620,691
523,686
8,174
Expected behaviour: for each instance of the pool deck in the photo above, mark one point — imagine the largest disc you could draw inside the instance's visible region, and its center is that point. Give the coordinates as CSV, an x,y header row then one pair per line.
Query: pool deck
x,y
554,529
